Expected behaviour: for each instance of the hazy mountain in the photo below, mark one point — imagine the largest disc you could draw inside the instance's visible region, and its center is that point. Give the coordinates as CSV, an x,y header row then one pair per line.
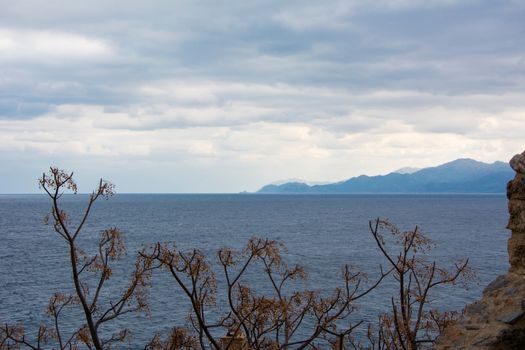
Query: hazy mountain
x,y
458,176
289,187
310,183
406,170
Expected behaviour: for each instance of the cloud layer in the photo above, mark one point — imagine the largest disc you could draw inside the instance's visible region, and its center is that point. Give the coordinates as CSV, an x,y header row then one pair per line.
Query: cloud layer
x,y
219,96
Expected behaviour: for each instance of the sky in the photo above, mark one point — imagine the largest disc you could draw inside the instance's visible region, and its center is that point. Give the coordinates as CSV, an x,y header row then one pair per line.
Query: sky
x,y
225,96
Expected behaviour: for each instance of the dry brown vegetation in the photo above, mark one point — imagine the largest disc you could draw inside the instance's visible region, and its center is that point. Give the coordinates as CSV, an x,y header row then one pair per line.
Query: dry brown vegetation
x,y
287,317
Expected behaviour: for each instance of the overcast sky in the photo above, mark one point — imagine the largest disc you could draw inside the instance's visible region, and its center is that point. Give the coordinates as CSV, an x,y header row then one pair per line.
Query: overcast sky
x,y
225,96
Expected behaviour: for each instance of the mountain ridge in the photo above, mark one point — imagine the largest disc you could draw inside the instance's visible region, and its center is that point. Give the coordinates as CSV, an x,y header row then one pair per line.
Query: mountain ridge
x,y
462,175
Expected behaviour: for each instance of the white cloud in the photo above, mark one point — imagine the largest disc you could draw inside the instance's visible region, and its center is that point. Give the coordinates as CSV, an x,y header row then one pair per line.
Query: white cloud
x,y
50,46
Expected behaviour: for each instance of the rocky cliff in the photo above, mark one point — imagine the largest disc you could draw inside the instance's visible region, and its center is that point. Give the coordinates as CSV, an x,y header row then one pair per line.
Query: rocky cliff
x,y
497,320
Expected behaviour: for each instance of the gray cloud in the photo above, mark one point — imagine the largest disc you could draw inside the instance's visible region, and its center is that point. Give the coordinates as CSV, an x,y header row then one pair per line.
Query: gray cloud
x,y
311,79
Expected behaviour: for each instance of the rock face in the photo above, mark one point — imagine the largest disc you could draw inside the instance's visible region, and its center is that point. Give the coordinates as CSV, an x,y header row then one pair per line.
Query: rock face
x,y
497,320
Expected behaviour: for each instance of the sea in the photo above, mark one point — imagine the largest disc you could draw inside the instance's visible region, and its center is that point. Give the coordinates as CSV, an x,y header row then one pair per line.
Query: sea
x,y
320,233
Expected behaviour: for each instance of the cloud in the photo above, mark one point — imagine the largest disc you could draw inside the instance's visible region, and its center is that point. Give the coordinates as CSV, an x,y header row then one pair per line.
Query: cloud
x,y
52,47
265,89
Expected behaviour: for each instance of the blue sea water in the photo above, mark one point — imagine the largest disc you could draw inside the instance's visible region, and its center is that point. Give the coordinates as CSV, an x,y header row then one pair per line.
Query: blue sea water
x,y
321,232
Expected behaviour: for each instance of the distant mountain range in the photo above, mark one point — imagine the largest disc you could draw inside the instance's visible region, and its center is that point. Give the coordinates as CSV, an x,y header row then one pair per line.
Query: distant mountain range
x,y
459,176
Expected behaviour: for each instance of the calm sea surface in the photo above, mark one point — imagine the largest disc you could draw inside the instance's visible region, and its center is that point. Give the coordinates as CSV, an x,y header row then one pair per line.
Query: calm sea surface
x,y
321,232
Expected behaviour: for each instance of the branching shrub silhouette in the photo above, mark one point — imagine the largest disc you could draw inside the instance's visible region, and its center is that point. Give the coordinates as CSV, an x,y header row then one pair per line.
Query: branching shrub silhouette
x,y
411,324
287,317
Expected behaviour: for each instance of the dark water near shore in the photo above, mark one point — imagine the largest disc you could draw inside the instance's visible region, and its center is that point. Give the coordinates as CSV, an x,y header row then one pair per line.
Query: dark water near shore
x,y
321,232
